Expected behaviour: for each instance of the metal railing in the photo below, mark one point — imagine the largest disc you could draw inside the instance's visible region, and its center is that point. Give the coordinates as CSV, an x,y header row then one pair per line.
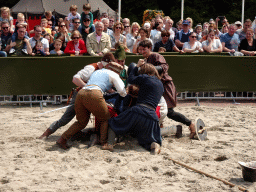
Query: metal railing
x,y
43,100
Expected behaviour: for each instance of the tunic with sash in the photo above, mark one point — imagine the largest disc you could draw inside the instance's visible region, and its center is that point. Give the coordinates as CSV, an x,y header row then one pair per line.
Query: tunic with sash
x,y
141,120
170,93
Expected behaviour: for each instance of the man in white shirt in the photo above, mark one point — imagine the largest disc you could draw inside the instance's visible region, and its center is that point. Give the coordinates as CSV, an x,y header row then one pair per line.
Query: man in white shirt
x,y
38,37
105,22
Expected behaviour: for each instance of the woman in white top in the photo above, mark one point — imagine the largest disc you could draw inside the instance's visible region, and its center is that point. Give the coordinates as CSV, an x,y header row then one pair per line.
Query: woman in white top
x,y
132,36
212,45
193,46
117,35
143,35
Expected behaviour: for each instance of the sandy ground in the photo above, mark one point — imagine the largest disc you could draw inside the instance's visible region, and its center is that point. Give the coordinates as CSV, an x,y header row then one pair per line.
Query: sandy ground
x,y
30,164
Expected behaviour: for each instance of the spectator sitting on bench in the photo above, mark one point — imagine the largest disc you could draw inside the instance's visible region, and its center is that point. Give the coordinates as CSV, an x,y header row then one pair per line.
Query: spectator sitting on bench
x,y
230,41
57,48
38,37
183,35
166,43
242,32
62,38
19,43
2,53
48,15
98,43
77,25
212,45
76,46
14,36
45,28
6,35
248,45
38,49
193,46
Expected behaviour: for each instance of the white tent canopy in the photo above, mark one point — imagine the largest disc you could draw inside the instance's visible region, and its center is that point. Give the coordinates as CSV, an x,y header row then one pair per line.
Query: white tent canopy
x,y
60,6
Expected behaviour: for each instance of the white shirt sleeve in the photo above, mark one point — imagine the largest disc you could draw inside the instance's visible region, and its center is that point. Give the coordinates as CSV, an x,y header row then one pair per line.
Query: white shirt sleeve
x,y
45,43
218,43
85,73
186,45
69,17
32,43
118,83
199,44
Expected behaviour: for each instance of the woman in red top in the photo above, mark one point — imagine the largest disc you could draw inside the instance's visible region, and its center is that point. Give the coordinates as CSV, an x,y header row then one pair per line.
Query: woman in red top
x,y
77,45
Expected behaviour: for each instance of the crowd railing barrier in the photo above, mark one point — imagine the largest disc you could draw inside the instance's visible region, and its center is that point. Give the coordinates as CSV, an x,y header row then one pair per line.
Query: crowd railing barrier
x,y
191,73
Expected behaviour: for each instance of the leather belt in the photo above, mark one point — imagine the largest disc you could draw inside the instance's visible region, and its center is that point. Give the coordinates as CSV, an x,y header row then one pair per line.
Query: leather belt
x,y
146,105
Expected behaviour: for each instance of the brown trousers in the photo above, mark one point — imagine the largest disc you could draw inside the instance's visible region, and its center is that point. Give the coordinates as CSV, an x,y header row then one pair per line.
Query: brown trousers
x,y
87,102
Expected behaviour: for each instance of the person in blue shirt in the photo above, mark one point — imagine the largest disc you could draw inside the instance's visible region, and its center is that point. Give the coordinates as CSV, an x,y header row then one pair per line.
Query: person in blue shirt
x,y
230,41
2,53
90,100
183,35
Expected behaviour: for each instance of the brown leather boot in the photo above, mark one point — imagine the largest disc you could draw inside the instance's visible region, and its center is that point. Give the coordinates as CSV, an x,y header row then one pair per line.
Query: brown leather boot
x,y
192,129
62,143
46,134
179,131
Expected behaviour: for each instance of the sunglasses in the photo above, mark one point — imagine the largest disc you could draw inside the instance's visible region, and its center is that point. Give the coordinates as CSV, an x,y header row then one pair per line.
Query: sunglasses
x,y
126,26
193,36
75,37
5,27
111,20
50,24
165,35
63,26
118,28
76,22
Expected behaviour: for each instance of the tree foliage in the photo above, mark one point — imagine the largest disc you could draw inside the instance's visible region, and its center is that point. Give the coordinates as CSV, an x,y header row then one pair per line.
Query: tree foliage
x,y
199,10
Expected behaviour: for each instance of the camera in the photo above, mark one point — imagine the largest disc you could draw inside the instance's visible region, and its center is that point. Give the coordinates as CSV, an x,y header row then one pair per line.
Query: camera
x,y
221,18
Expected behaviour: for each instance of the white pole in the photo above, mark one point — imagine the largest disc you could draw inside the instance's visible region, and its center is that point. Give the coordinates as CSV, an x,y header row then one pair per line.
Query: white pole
x,y
242,13
119,10
182,9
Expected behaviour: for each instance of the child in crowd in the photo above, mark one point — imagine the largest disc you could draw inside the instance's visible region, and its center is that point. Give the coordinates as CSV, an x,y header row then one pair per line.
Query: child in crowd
x,y
162,50
49,37
6,16
60,20
60,36
57,47
38,49
48,15
87,11
72,15
45,27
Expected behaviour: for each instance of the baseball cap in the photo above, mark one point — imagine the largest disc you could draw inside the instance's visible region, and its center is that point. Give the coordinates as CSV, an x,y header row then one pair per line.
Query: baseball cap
x,y
238,23
185,22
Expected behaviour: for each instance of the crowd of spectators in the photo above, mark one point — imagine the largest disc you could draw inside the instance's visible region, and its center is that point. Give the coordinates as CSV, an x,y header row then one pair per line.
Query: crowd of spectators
x,y
79,34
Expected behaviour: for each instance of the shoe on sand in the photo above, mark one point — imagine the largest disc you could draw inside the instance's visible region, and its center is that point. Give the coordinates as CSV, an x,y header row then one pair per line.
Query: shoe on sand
x,y
107,146
62,143
93,140
155,148
46,134
179,131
